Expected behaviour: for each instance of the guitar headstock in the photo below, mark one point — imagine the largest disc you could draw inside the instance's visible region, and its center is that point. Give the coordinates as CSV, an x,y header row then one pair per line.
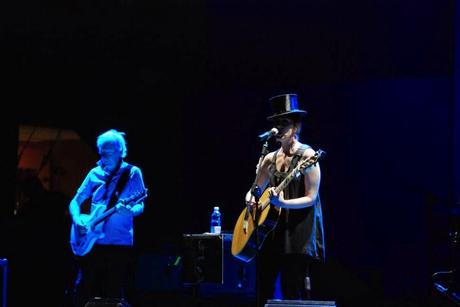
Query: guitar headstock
x,y
319,154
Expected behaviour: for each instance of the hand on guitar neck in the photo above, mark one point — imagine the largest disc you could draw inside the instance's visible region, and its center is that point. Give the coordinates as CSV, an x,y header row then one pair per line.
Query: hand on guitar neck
x,y
126,210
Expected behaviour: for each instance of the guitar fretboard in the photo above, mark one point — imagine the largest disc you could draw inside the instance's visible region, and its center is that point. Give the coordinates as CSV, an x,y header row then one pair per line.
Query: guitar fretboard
x,y
133,199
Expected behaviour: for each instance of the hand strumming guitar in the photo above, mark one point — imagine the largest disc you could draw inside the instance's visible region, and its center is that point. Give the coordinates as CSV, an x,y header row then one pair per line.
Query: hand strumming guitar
x,y
81,224
276,200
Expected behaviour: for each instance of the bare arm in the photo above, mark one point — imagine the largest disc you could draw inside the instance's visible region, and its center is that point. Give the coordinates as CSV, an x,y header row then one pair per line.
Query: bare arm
x,y
262,177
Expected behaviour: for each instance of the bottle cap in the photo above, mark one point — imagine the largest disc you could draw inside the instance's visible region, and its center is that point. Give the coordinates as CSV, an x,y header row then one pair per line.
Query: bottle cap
x,y
216,208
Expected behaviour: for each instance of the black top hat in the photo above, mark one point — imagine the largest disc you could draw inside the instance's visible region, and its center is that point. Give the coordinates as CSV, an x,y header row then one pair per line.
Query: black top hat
x,y
285,105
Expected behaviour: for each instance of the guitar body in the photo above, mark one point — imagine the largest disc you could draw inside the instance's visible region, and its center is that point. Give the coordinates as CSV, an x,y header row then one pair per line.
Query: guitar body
x,y
244,240
82,240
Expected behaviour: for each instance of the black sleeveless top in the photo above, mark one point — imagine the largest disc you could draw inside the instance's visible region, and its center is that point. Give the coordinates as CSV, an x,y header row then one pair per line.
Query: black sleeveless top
x,y
299,231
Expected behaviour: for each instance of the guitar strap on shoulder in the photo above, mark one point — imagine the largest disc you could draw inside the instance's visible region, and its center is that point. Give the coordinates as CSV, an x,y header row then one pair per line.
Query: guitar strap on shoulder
x,y
297,156
120,184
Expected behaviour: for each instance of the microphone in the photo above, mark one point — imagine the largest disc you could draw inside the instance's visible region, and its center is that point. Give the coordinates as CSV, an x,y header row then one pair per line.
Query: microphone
x,y
268,134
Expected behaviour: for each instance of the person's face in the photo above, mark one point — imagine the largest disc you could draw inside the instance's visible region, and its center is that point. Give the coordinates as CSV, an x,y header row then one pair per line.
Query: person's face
x,y
285,127
110,154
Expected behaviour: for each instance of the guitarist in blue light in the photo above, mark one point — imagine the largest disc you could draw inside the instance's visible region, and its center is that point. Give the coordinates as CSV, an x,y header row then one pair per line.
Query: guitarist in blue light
x,y
102,240
298,238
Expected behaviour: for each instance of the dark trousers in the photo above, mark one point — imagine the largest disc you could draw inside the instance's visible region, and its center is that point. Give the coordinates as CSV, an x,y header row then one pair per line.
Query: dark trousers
x,y
106,272
292,268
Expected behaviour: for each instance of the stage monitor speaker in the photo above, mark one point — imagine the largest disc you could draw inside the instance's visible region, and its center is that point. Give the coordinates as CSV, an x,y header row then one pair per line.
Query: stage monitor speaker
x,y
299,303
203,258
200,262
107,302
208,261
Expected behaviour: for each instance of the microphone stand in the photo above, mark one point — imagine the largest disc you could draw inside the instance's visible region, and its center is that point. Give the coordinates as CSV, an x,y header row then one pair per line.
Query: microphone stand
x,y
255,192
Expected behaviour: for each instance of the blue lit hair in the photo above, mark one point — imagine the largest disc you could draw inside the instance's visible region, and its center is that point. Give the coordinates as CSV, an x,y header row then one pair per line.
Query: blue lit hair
x,y
113,135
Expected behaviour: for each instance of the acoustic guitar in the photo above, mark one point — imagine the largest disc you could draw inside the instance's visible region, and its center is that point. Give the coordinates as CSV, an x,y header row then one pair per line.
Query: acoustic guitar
x,y
82,239
244,240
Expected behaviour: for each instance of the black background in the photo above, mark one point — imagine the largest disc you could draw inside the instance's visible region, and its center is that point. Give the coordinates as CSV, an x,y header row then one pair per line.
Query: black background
x,y
189,82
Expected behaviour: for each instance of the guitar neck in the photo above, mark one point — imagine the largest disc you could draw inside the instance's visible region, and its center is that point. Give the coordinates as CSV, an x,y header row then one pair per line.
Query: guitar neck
x,y
282,185
104,215
134,199
287,180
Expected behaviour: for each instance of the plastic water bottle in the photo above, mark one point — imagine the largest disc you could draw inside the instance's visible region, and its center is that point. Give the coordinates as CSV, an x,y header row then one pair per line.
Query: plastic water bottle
x,y
215,221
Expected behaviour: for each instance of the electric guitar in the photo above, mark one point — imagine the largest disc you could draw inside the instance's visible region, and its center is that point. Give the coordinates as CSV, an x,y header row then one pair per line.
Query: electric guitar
x,y
244,237
82,238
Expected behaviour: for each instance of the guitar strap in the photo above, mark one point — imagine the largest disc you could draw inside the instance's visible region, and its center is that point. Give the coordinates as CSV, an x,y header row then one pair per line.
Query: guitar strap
x,y
120,184
297,156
